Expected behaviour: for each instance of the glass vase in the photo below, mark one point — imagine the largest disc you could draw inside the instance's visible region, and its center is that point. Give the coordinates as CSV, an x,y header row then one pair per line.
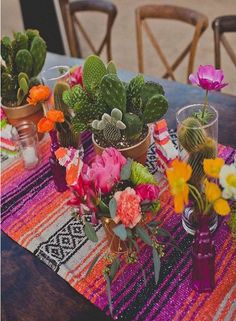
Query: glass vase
x,y
203,257
197,141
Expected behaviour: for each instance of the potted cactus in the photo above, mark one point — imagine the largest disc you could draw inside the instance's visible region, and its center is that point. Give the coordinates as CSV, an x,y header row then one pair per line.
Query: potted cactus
x,y
117,112
23,59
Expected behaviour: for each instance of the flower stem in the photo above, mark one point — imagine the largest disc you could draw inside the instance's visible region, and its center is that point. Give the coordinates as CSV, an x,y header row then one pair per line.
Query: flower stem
x,y
197,196
205,104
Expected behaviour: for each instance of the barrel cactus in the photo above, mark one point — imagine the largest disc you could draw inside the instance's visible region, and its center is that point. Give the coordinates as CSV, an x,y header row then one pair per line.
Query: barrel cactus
x,y
23,57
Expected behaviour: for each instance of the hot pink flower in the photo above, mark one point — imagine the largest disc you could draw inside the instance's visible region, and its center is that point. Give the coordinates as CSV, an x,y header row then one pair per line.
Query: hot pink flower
x,y
105,170
128,207
208,78
147,192
76,76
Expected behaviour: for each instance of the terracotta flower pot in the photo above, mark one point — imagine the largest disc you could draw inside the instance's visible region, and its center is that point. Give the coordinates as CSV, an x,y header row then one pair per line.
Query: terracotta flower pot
x,y
24,112
114,242
137,152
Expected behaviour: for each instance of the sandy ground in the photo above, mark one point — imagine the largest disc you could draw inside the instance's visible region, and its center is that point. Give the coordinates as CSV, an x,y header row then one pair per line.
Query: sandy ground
x,y
172,35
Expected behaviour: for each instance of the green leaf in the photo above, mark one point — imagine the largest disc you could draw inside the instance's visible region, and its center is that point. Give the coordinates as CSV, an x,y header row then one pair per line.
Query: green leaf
x,y
161,231
157,264
154,223
120,231
94,261
129,233
135,244
90,232
114,268
104,208
112,207
108,291
126,170
143,235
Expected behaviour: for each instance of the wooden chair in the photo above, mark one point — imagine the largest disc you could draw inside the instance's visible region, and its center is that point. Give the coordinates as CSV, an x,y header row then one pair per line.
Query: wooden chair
x,y
220,26
71,21
192,17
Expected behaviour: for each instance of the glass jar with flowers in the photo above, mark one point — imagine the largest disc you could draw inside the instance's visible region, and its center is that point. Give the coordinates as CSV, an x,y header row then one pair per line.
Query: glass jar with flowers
x,y
218,187
124,197
197,131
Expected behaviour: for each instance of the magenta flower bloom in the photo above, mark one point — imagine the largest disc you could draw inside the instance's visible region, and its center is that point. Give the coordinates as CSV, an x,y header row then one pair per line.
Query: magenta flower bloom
x,y
147,192
208,78
76,76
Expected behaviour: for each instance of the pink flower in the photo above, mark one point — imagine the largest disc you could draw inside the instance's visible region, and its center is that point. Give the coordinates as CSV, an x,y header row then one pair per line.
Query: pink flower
x,y
76,76
128,207
105,170
147,192
208,78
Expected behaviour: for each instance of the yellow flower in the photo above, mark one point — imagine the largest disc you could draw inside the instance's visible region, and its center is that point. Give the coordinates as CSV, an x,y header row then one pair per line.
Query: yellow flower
x,y
221,207
177,177
212,191
212,167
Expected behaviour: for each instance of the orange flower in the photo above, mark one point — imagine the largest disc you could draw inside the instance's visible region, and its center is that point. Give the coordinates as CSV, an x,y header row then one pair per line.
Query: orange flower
x,y
38,94
45,125
55,116
212,167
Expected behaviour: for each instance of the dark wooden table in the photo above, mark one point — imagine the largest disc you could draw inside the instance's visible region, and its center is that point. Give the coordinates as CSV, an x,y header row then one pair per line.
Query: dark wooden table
x,y
33,292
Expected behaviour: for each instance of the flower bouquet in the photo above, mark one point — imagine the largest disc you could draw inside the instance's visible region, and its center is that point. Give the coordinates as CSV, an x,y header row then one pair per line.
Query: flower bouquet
x,y
124,196
116,112
218,187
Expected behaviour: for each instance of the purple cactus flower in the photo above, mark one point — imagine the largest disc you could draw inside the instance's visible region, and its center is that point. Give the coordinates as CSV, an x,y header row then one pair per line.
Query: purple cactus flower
x,y
208,78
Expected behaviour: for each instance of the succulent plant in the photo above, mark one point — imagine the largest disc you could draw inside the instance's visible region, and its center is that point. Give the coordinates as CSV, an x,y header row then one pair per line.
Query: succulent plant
x,y
23,57
139,102
66,136
111,125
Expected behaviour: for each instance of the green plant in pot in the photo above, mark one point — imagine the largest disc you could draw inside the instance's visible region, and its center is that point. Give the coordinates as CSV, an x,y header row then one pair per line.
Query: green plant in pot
x,y
118,113
23,59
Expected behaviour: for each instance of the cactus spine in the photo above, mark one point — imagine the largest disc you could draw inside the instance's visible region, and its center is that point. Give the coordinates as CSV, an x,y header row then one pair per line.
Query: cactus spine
x,y
66,136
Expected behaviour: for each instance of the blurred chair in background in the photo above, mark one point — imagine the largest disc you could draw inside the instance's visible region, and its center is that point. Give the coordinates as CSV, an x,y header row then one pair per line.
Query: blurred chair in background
x,y
192,17
71,22
220,26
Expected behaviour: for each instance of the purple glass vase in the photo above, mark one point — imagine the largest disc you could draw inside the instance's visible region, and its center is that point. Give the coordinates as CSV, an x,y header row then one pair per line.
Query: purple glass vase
x,y
58,171
203,257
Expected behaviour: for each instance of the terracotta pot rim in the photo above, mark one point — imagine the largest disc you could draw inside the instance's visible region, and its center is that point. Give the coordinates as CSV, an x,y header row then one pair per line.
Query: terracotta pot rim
x,y
21,106
19,112
127,148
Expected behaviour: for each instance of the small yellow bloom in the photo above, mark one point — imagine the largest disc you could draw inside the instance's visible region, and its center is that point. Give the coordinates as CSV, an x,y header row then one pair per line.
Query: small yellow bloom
x,y
221,207
212,191
212,167
177,177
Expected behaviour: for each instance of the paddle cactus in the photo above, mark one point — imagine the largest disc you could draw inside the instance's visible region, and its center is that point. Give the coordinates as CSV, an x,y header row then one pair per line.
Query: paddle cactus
x,y
67,137
111,125
93,72
25,54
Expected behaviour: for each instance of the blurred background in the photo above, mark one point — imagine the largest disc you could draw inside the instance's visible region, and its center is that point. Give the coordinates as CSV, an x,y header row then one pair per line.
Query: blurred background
x,y
172,35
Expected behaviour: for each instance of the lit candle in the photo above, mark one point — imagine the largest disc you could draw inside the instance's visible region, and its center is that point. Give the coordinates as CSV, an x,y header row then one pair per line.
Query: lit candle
x,y
29,155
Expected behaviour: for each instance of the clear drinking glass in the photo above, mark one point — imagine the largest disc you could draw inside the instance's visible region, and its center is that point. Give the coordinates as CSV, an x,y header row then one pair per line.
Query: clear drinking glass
x,y
25,136
196,142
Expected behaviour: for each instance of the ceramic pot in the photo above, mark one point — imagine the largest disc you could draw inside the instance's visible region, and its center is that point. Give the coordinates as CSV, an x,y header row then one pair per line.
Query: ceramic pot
x,y
114,242
137,152
25,112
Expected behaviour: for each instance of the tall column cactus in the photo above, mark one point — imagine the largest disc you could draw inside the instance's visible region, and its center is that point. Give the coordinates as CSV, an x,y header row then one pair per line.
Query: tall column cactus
x,y
66,136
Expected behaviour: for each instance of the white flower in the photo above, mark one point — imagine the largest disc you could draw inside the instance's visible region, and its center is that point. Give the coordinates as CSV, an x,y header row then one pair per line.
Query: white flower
x,y
228,181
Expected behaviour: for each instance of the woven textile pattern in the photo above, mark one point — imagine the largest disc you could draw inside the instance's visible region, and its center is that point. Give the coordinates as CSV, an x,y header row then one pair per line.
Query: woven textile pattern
x,y
37,218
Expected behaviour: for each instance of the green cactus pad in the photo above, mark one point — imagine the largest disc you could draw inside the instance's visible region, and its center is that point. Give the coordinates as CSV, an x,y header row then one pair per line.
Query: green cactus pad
x,y
75,97
113,92
111,68
31,33
24,61
34,82
6,50
93,72
38,50
150,89
155,108
20,42
191,134
24,85
134,102
134,126
59,89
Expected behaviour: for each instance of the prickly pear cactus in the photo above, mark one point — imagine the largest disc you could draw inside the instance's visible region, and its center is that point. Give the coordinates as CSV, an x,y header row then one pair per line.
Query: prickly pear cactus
x,y
150,89
111,68
38,51
66,136
155,108
24,61
134,101
93,71
134,126
191,134
113,92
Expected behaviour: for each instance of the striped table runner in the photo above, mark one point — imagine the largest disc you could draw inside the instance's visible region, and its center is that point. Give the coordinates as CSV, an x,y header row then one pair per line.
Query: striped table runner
x,y
37,218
